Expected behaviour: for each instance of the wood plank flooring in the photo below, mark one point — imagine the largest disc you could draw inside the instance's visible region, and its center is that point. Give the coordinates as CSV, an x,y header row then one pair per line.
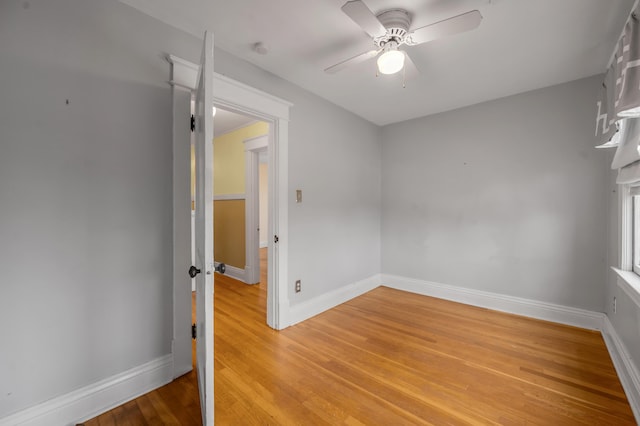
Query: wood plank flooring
x,y
391,358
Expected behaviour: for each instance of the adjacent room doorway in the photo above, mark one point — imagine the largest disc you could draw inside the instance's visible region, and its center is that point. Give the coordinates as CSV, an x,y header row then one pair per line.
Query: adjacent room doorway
x,y
241,148
230,95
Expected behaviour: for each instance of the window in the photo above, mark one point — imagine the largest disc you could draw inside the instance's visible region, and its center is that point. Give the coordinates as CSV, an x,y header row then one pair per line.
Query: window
x,y
634,193
629,256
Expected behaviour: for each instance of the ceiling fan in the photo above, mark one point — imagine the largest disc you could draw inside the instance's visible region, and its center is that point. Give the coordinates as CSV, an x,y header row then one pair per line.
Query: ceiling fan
x,y
391,29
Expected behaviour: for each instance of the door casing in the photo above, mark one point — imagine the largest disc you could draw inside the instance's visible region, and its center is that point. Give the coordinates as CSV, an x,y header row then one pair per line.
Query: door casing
x,y
241,98
252,149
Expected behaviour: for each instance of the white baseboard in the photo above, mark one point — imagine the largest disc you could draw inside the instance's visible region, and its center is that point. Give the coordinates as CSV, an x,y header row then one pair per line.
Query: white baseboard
x,y
625,367
95,399
234,272
499,302
310,308
263,244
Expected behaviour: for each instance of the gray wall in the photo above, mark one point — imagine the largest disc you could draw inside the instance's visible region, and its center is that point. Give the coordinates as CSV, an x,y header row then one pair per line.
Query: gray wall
x,y
85,192
334,157
507,196
85,195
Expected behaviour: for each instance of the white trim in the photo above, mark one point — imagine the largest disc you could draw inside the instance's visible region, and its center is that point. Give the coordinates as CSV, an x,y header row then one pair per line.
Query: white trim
x,y
264,244
252,147
184,73
251,218
181,230
193,252
625,228
324,302
256,102
233,271
278,254
256,143
625,367
498,302
228,197
629,282
97,398
238,97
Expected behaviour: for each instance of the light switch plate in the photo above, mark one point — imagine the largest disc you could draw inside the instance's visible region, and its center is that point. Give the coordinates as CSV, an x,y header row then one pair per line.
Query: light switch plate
x,y
298,195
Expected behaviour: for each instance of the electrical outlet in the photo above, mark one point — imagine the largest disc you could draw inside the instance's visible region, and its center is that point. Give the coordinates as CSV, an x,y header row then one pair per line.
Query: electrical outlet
x,y
615,305
298,286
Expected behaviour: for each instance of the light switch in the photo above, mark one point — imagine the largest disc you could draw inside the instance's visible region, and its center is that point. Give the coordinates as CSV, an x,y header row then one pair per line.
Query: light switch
x,y
298,195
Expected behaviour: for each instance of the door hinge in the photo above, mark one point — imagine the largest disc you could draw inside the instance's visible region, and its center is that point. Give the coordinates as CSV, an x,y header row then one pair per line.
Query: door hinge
x,y
193,331
275,239
193,122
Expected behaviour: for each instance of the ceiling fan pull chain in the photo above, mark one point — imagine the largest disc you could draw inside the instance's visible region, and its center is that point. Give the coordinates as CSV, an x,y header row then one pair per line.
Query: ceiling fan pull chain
x,y
404,77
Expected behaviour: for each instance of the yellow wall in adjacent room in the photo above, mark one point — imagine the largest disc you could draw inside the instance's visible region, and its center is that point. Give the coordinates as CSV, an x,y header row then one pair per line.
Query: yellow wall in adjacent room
x,y
228,158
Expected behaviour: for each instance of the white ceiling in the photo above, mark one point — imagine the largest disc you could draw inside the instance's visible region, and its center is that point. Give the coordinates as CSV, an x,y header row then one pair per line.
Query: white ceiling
x,y
520,45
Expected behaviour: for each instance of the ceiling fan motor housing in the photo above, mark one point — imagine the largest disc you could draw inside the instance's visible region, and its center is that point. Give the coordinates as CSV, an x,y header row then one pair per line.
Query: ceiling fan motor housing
x,y
397,22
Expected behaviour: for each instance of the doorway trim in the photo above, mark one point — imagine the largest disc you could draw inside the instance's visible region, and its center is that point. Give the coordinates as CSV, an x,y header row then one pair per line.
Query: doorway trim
x,y
183,238
252,149
241,98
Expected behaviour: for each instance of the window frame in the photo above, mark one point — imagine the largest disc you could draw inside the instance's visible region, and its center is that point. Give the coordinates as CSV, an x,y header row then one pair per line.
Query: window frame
x,y
633,230
629,230
628,276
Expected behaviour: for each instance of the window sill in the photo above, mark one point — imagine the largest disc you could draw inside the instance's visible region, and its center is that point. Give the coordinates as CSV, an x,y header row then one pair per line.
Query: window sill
x,y
629,282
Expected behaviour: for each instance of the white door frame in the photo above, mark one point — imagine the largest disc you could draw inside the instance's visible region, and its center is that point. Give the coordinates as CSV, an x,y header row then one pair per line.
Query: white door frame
x,y
252,149
238,97
183,242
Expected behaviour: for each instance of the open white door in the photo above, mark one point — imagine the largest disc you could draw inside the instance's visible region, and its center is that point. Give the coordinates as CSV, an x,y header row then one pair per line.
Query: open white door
x,y
204,230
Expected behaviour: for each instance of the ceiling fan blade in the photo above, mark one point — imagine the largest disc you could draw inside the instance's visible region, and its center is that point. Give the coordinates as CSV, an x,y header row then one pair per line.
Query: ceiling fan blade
x,y
363,16
457,24
351,61
410,69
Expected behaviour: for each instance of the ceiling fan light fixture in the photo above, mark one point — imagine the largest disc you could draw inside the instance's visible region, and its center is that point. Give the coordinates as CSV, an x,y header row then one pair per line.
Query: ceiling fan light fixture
x,y
391,61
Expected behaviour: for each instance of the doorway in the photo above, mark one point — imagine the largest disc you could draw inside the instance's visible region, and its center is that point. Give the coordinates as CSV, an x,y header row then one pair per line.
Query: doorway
x,y
240,172
237,97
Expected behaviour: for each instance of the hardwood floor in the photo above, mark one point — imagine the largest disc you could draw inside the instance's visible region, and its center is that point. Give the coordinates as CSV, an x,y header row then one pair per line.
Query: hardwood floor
x,y
391,358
